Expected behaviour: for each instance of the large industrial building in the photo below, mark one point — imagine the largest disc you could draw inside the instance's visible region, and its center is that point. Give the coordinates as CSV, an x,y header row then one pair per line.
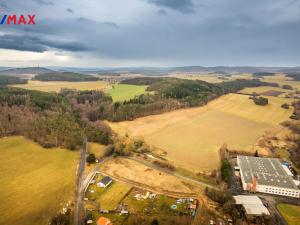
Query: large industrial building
x,y
266,175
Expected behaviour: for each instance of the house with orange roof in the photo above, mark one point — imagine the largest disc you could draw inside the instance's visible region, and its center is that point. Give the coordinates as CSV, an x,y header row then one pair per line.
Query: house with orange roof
x,y
103,221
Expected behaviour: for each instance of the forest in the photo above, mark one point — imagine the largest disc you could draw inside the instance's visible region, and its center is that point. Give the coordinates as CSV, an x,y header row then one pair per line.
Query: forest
x,y
46,118
7,80
65,76
61,119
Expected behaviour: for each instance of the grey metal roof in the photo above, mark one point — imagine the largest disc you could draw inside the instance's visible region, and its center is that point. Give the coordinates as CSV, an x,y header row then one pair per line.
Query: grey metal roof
x,y
106,180
268,171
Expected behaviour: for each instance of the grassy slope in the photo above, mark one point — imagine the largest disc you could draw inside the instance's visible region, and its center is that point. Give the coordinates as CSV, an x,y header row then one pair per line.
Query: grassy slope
x,y
56,86
121,92
192,137
113,194
35,182
291,213
262,89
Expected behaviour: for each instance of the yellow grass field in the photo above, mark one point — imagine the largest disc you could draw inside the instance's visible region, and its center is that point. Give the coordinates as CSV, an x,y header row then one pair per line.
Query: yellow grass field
x,y
291,213
144,177
262,89
35,182
97,149
192,137
56,86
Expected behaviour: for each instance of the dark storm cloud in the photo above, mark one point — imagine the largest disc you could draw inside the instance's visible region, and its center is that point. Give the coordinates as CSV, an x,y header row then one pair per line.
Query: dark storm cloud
x,y
70,10
111,24
184,6
36,44
44,2
164,31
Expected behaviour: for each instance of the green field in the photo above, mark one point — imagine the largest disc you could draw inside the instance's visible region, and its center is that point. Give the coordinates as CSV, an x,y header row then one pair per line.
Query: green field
x,y
192,137
35,182
109,197
56,86
113,194
291,213
122,92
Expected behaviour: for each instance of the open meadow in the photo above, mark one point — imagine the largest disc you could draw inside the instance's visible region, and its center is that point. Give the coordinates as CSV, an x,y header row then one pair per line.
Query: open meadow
x,y
35,182
142,176
192,137
291,213
122,92
266,90
56,86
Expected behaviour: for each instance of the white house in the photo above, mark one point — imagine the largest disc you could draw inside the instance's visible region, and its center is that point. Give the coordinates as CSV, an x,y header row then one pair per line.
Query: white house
x,y
106,181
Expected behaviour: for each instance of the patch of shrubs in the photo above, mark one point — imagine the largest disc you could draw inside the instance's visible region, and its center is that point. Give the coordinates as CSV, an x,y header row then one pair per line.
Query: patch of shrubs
x,y
287,87
285,106
91,158
164,165
260,101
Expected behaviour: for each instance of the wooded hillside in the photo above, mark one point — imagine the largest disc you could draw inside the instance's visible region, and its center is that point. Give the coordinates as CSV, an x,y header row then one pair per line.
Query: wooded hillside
x,y
65,76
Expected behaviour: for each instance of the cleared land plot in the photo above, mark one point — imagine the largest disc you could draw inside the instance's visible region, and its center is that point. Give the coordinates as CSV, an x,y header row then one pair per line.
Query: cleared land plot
x,y
160,204
112,195
122,92
291,213
140,175
266,90
35,182
192,137
56,86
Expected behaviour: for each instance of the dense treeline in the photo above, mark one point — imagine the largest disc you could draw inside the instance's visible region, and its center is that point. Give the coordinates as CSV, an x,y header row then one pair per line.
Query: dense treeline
x,y
6,80
263,74
294,126
237,85
166,94
142,80
65,76
62,119
295,76
47,118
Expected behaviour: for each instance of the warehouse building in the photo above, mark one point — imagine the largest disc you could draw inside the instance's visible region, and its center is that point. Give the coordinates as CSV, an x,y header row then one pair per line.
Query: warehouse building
x,y
252,204
266,175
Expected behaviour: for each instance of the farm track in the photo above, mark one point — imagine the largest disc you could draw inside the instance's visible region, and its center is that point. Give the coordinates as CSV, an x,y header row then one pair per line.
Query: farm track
x,y
147,187
173,173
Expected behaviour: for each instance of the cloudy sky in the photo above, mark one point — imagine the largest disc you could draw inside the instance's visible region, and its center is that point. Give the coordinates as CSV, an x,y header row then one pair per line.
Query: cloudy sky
x,y
112,33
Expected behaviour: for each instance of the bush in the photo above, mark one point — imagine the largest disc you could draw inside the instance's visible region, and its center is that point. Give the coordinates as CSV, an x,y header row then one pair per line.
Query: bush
x,y
91,158
287,87
285,106
226,170
261,101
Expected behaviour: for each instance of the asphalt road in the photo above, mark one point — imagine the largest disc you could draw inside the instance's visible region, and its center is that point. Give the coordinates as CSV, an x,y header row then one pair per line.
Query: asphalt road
x,y
79,198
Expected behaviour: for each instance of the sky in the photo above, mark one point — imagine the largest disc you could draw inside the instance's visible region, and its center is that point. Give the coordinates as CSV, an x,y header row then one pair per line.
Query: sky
x,y
120,33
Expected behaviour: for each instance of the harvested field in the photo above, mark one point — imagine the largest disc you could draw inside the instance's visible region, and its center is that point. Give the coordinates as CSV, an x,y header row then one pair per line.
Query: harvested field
x,y
36,183
192,137
144,177
266,90
56,86
272,93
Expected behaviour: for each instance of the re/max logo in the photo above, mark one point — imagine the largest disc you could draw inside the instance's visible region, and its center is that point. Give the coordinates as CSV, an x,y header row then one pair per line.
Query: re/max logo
x,y
17,19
